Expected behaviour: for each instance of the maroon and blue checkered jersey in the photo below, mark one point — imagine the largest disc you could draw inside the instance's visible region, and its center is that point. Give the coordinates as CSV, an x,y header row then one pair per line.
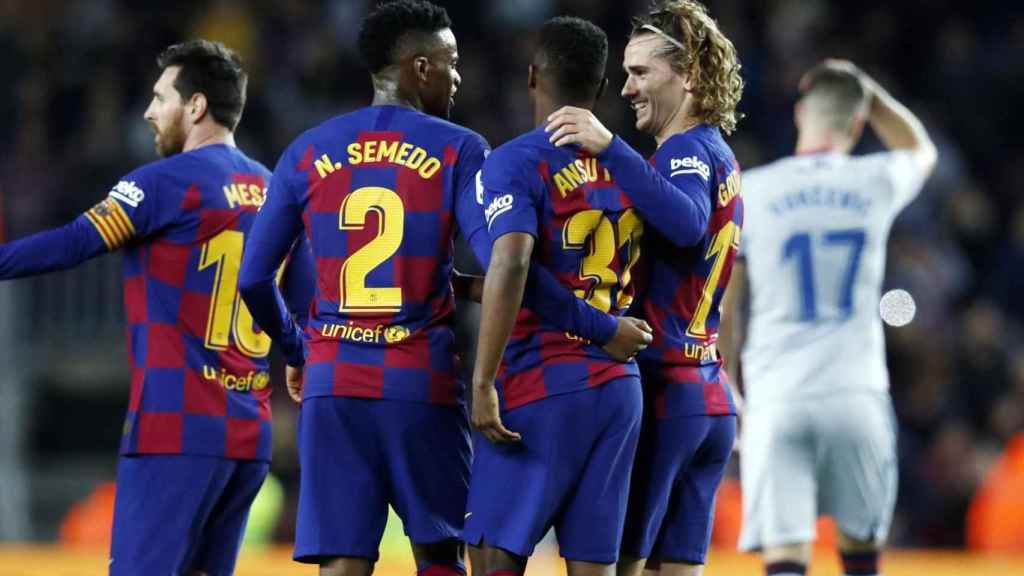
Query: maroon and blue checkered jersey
x,y
683,276
376,192
199,380
587,234
198,363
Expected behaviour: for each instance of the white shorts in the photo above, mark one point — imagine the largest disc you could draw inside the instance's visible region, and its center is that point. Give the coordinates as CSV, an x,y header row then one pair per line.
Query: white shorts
x,y
832,456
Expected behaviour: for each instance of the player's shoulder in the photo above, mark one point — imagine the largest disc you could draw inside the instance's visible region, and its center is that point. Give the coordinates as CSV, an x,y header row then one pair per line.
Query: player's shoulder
x,y
528,146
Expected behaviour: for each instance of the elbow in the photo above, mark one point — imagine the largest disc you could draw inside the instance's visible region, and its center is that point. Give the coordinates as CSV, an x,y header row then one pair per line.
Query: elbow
x,y
510,265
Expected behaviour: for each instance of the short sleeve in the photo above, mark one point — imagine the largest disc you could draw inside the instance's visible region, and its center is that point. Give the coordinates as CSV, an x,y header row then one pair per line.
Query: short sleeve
x,y
511,193
905,171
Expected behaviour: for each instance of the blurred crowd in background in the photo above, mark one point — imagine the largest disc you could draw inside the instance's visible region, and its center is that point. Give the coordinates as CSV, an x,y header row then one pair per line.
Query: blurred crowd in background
x,y
78,75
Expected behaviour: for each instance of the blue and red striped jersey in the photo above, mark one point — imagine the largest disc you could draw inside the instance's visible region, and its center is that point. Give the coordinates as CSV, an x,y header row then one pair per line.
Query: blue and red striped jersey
x,y
377,193
200,381
681,286
587,234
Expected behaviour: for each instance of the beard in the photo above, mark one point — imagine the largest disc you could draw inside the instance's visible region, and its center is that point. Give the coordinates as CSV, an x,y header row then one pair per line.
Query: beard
x,y
170,140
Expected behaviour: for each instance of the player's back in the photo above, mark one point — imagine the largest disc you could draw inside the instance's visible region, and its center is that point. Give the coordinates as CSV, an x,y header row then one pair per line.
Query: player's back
x,y
199,364
587,234
378,189
814,243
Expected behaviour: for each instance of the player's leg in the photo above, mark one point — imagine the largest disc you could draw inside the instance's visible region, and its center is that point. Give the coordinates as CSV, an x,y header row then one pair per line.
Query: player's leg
x,y
156,531
859,477
649,485
427,448
590,526
225,527
778,466
343,496
517,489
686,530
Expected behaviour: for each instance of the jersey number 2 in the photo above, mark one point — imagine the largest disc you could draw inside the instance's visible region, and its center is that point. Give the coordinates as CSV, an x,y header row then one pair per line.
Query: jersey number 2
x,y
356,296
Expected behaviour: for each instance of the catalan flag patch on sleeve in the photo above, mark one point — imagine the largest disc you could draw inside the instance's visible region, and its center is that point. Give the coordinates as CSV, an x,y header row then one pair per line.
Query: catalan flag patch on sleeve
x,y
112,223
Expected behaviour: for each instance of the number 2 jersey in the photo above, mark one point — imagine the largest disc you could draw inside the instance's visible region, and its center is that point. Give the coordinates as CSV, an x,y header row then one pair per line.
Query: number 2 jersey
x,y
375,191
814,247
684,269
199,371
587,234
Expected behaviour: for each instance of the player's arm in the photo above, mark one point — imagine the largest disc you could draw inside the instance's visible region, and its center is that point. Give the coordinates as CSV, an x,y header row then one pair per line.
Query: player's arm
x,y
51,250
274,232
504,285
896,126
733,328
677,206
298,282
127,213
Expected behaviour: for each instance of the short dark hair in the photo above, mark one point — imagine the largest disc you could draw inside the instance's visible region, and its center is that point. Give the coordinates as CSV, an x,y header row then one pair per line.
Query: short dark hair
x,y
390,23
215,71
574,53
840,93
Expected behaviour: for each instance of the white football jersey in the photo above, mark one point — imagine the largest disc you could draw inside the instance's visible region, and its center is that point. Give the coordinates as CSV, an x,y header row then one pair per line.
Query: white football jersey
x,y
814,240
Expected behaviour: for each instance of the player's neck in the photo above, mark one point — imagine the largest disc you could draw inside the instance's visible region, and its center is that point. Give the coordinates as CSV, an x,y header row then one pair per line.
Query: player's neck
x,y
544,106
207,136
821,141
387,92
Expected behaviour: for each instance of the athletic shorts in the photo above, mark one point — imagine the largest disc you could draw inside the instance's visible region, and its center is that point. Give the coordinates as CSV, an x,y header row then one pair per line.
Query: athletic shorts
x,y
680,463
570,471
360,455
833,456
174,514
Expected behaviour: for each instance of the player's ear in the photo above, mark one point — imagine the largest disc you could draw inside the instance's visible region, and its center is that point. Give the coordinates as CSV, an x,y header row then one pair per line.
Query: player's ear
x,y
197,107
421,67
531,77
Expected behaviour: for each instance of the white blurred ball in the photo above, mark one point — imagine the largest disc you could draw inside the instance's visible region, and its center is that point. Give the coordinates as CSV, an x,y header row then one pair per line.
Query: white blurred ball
x,y
897,308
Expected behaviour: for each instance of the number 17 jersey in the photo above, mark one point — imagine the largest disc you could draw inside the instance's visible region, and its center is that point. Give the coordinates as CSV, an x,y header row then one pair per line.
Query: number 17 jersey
x,y
378,190
814,246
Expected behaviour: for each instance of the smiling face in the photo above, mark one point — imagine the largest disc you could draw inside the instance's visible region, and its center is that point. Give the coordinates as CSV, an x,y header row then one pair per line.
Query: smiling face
x,y
442,81
166,114
653,88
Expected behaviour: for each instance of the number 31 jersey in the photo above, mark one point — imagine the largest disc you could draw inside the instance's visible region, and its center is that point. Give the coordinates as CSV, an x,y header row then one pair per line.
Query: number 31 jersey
x,y
814,246
200,381
378,190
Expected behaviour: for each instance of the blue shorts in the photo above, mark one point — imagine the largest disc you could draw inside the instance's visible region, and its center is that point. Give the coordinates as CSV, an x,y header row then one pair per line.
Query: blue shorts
x,y
175,514
679,465
571,471
359,455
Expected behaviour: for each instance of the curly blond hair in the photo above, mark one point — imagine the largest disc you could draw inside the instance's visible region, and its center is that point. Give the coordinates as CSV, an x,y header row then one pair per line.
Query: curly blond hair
x,y
697,48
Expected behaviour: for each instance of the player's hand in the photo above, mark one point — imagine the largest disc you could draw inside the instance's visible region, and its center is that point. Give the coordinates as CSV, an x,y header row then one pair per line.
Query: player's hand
x,y
487,417
293,378
631,336
571,125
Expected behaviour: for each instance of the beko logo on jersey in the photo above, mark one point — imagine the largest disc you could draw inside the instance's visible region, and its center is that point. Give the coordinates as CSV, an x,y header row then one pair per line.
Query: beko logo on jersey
x,y
498,206
128,193
690,165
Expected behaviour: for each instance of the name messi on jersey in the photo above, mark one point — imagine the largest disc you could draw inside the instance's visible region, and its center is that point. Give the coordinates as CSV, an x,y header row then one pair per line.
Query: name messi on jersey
x,y
245,195
390,151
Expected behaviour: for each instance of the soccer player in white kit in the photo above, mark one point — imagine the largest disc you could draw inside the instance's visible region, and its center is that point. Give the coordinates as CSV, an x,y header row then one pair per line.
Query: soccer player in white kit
x,y
818,433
